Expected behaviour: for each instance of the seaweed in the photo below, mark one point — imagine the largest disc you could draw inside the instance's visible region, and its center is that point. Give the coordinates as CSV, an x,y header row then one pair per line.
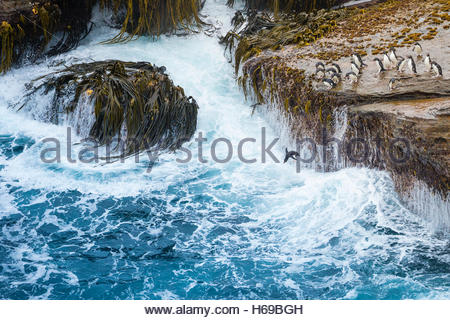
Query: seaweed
x,y
138,96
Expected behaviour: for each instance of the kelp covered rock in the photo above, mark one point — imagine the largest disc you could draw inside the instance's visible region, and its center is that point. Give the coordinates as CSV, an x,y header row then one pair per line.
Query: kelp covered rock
x,y
153,17
255,32
135,104
27,28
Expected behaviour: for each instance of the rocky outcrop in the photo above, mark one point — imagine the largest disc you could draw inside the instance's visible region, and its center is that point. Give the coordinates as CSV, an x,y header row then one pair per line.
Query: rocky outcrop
x,y
404,131
131,106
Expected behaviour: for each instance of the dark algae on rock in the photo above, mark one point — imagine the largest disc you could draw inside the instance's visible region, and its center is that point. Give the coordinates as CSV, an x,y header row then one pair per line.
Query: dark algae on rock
x,y
133,103
26,28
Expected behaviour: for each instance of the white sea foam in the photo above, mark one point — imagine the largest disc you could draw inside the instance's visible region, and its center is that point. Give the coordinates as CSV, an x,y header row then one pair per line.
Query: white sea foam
x,y
303,219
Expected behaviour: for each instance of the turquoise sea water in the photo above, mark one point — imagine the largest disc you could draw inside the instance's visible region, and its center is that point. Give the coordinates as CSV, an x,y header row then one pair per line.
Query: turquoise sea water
x,y
199,231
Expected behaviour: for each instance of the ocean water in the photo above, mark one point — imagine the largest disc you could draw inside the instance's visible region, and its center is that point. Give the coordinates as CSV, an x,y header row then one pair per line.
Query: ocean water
x,y
194,230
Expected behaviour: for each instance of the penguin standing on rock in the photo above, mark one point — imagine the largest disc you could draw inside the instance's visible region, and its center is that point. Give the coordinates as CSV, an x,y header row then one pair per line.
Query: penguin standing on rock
x,y
320,66
331,70
380,65
355,68
329,84
417,49
358,60
336,78
427,62
320,74
351,77
412,65
401,64
393,56
392,84
387,63
436,69
337,67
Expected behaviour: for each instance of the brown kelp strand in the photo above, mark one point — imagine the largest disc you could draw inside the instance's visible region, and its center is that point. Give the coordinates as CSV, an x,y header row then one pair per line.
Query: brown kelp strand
x,y
155,17
271,82
27,28
288,5
265,31
135,103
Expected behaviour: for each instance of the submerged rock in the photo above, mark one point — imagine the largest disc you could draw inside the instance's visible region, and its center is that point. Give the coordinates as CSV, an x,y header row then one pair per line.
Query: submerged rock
x,y
133,104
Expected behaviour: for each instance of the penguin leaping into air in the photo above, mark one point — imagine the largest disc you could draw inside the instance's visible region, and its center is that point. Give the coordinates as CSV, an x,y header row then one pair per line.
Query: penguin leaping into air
x,y
291,155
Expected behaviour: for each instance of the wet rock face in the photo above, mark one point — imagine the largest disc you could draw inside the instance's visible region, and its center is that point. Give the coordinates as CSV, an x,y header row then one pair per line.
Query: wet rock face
x,y
403,129
130,106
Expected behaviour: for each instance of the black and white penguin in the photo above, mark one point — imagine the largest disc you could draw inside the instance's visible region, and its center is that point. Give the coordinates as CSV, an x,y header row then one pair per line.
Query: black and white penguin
x,y
331,70
436,69
392,84
351,77
358,60
320,66
320,74
427,61
417,49
387,63
401,64
355,69
291,155
338,68
412,65
393,56
336,78
329,84
379,65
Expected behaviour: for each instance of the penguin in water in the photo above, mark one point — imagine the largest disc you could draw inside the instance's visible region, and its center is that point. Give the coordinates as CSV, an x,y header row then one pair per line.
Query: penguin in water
x,y
417,49
358,60
412,65
329,84
436,69
351,77
392,84
291,155
427,61
355,69
380,65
